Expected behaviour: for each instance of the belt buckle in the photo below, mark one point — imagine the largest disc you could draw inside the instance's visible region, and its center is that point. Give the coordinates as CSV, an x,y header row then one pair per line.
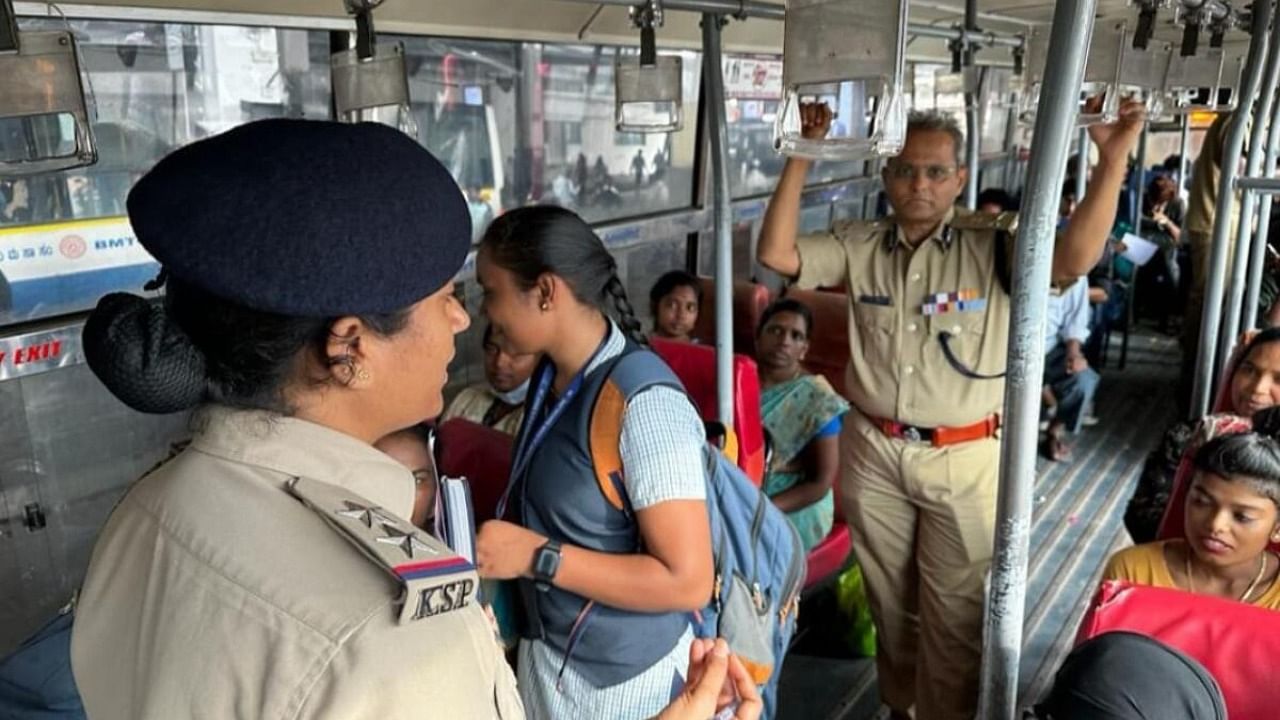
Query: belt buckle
x,y
911,434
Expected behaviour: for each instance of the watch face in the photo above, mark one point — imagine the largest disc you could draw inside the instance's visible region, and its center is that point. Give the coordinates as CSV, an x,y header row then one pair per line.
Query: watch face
x,y
548,562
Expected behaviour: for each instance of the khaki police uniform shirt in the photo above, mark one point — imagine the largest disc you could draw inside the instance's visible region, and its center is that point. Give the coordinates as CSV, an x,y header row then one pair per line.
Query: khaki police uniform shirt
x,y
902,300
1206,174
215,591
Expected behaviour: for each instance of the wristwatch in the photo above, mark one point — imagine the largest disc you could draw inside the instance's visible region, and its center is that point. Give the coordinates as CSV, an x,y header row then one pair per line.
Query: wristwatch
x,y
545,564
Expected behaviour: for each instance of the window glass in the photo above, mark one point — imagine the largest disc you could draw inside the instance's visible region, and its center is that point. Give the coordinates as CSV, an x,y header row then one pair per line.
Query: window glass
x,y
515,123
521,123
753,98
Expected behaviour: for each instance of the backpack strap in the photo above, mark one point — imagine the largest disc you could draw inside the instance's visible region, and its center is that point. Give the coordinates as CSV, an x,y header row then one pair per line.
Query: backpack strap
x,y
631,374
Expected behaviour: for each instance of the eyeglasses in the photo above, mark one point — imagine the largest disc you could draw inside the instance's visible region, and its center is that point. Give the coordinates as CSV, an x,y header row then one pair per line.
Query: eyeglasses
x,y
905,171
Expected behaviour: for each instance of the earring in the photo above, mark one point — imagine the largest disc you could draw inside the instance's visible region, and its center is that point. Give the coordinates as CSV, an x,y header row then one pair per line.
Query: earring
x,y
545,306
363,375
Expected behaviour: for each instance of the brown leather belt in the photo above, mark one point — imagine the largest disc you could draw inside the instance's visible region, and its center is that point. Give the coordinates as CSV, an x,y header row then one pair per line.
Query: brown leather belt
x,y
941,436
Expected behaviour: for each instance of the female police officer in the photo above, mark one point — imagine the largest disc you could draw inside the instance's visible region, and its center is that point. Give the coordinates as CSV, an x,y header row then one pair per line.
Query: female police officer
x,y
267,571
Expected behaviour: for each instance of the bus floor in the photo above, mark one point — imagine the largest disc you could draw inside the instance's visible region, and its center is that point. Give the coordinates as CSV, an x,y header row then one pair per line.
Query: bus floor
x,y
1078,523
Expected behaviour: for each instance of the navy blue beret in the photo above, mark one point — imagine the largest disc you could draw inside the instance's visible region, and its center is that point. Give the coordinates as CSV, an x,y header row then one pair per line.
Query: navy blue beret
x,y
305,218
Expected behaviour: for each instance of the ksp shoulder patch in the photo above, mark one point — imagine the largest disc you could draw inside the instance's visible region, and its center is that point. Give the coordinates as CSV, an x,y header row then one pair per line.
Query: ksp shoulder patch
x,y
435,580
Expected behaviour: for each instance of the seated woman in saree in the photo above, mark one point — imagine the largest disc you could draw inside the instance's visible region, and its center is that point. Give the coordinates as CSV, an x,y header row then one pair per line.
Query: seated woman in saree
x,y
802,414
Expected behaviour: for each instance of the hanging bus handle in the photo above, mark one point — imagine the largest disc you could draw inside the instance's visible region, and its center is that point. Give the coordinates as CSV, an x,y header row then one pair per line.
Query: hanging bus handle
x,y
42,100
648,94
370,82
8,27
648,17
1146,28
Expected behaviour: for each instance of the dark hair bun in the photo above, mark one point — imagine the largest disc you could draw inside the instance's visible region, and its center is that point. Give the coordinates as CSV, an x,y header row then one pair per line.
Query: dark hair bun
x,y
145,360
1267,422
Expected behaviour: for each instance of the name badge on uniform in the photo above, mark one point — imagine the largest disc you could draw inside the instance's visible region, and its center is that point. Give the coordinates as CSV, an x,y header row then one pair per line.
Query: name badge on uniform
x,y
881,300
960,301
435,580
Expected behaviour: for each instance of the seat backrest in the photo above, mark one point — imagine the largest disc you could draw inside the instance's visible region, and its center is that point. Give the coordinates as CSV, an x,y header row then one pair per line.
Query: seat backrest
x,y
829,337
695,365
1237,643
480,454
749,301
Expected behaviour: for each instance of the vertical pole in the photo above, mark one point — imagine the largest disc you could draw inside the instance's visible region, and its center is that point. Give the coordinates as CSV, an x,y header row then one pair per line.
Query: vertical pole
x,y
973,120
1258,261
1082,165
1247,243
1032,264
973,147
1009,178
1140,177
1184,149
1206,357
718,137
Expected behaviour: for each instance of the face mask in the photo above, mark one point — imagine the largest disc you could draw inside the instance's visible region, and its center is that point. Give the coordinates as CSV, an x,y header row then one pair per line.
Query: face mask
x,y
515,396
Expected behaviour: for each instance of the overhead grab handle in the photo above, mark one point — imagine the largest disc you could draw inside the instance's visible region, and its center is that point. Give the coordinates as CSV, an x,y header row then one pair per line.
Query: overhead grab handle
x,y
1203,79
648,88
851,55
370,81
1115,71
44,114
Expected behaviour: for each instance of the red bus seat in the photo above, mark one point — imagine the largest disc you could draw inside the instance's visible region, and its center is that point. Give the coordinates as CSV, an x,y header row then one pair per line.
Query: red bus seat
x,y
695,365
749,301
829,339
480,454
1238,644
828,557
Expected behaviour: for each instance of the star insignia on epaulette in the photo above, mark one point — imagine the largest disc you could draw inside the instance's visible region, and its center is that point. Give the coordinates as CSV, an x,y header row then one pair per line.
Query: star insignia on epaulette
x,y
366,515
406,541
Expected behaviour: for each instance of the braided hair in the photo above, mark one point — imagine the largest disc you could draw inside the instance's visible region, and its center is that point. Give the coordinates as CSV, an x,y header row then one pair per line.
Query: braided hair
x,y
529,242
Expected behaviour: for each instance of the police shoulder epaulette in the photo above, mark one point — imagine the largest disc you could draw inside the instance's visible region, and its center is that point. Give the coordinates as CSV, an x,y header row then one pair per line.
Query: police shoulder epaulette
x,y
435,580
1005,221
860,230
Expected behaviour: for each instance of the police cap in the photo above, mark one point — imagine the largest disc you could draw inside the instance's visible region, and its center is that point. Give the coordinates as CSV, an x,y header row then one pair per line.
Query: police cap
x,y
305,218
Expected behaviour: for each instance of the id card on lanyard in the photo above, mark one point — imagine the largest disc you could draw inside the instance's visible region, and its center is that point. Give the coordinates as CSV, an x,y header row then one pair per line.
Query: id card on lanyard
x,y
539,419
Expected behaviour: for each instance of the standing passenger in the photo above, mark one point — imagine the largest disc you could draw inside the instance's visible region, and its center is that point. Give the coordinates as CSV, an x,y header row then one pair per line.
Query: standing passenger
x,y
547,279
929,318
1202,210
269,570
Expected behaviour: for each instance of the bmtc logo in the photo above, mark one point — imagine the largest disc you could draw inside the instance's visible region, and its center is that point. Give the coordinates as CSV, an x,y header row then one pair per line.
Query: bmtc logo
x,y
72,247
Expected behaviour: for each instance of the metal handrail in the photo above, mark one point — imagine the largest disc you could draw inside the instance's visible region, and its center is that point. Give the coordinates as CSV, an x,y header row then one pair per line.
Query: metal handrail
x,y
1210,324
1032,263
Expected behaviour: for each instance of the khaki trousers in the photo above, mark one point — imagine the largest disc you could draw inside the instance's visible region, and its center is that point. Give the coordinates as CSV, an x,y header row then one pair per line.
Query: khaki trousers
x,y
923,522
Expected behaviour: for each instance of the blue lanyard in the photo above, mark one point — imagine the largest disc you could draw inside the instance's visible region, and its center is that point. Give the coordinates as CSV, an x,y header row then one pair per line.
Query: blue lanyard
x,y
537,425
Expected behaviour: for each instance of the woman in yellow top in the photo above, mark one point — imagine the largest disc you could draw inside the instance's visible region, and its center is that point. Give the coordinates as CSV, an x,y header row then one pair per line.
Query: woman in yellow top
x,y
1232,515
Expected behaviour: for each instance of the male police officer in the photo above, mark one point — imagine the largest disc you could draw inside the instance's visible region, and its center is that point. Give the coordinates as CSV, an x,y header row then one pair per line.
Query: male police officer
x,y
929,315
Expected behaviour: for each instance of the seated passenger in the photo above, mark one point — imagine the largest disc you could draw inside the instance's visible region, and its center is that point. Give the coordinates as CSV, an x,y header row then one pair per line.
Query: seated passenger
x,y
674,302
411,449
1126,676
1232,515
498,403
1254,385
802,414
1067,374
994,201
